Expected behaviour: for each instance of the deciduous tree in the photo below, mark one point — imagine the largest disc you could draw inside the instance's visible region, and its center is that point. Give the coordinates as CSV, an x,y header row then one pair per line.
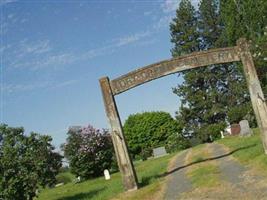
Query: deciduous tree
x,y
26,163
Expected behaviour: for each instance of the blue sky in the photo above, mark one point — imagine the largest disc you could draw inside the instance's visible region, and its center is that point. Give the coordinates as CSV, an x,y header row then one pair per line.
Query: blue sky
x,y
54,52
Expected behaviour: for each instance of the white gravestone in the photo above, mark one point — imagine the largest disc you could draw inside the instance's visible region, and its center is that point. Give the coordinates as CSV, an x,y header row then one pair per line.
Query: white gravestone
x,y
106,174
222,135
160,151
245,129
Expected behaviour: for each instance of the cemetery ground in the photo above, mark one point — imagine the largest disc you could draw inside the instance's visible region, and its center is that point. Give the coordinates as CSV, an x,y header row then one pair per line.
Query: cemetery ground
x,y
231,168
99,188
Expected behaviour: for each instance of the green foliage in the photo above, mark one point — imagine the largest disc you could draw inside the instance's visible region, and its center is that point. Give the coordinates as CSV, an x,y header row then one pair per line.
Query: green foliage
x,y
89,151
247,18
177,142
145,131
212,131
184,34
210,95
26,162
238,113
65,177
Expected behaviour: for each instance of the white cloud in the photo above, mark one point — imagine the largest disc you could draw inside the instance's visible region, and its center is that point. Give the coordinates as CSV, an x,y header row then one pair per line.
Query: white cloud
x,y
64,84
163,22
38,55
147,13
4,27
7,21
11,88
53,61
4,2
170,5
10,16
23,20
4,48
132,38
35,47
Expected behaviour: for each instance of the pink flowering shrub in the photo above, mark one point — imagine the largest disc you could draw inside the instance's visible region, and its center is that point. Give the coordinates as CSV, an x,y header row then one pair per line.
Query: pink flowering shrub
x,y
89,151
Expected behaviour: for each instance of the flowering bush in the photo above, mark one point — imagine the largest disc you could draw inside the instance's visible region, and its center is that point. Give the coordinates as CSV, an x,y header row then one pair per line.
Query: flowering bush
x,y
89,151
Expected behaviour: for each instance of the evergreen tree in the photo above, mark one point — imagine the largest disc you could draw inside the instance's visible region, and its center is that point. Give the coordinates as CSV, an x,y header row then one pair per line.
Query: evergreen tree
x,y
184,34
247,18
185,37
207,94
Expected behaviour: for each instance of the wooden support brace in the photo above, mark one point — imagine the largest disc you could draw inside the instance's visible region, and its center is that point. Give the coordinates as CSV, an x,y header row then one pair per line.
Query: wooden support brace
x,y
125,163
256,94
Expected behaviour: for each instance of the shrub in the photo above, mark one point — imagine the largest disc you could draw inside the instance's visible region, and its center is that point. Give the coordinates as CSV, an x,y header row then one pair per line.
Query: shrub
x,y
211,132
148,130
89,151
64,178
26,162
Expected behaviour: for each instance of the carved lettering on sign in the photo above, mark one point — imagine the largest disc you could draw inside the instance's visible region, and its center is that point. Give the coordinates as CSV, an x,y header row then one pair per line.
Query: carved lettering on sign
x,y
171,66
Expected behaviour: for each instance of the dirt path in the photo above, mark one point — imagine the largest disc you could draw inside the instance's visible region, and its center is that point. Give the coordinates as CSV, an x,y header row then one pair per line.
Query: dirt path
x,y
177,178
236,181
242,182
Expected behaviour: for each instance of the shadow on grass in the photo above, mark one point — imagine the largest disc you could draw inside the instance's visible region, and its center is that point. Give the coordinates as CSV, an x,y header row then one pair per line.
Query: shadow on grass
x,y
87,195
146,180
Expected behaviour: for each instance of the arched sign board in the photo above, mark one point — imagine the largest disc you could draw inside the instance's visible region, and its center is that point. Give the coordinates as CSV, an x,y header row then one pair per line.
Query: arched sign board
x,y
110,88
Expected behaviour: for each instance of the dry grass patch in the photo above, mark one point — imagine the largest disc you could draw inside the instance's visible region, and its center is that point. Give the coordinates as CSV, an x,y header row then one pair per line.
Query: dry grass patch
x,y
202,173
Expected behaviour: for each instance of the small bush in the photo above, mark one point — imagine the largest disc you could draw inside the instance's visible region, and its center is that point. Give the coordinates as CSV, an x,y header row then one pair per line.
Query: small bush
x,y
148,130
64,178
89,152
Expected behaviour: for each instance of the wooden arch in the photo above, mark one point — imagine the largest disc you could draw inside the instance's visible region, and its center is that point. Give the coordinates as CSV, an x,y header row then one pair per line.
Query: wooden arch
x,y
110,88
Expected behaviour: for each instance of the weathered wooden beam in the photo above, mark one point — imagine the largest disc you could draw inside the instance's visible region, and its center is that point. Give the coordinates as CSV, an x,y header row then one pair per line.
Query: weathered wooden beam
x,y
125,163
166,67
256,94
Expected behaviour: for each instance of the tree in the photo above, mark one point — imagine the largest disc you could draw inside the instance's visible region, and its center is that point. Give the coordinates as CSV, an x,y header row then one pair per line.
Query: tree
x,y
145,131
247,18
26,162
89,151
206,93
184,34
198,92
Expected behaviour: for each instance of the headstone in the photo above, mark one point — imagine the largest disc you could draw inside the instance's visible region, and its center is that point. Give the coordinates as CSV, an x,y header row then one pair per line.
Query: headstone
x,y
222,135
235,129
245,129
59,184
77,180
160,151
106,174
227,130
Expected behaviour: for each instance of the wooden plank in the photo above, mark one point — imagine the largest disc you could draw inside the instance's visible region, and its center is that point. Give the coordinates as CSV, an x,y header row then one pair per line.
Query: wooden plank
x,y
125,163
256,94
164,68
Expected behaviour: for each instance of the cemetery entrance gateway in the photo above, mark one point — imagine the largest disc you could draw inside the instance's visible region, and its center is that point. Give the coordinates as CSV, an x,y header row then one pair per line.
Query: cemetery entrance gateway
x,y
110,88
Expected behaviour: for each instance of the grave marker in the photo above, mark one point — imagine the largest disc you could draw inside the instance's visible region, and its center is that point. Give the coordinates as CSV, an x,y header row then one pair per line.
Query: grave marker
x,y
160,151
244,128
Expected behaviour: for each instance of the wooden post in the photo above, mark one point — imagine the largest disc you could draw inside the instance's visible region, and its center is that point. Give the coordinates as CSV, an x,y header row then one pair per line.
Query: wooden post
x,y
256,94
125,163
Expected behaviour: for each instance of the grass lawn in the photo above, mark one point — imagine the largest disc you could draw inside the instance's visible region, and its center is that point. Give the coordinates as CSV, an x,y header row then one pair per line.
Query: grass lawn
x,y
204,174
147,172
248,150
